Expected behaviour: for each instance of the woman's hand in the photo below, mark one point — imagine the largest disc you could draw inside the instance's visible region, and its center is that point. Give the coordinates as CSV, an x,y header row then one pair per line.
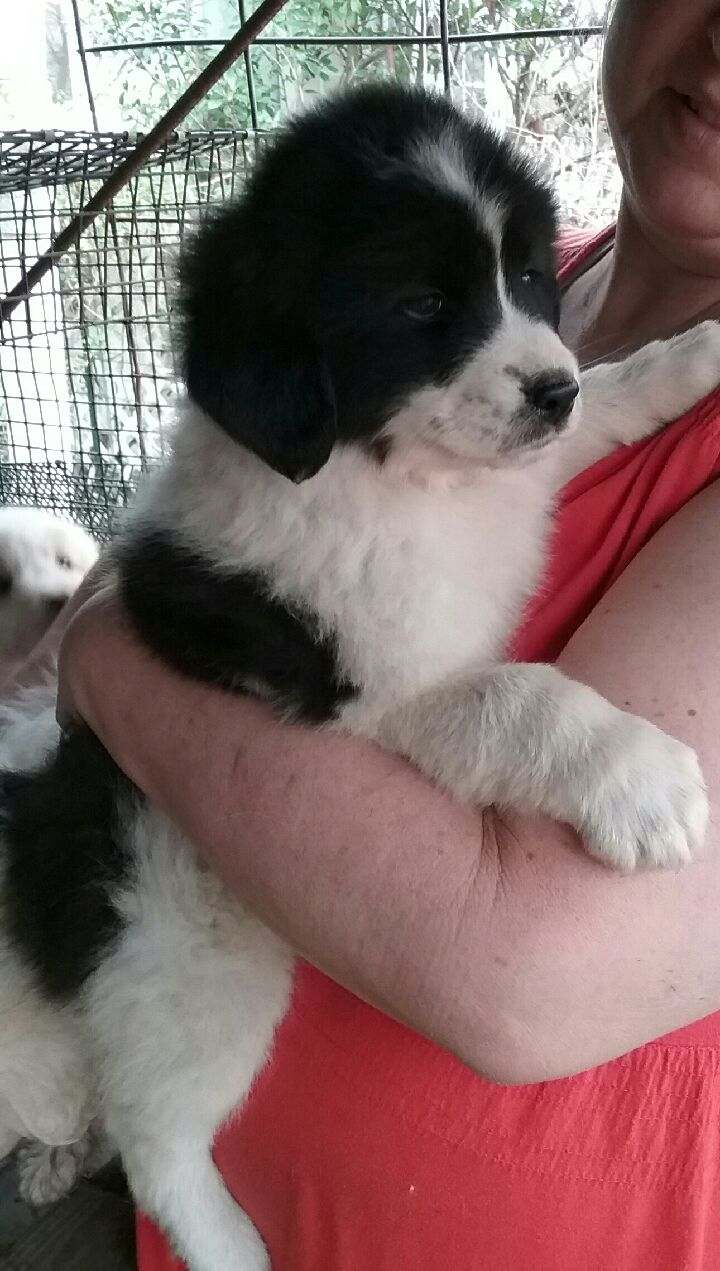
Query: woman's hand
x,y
496,936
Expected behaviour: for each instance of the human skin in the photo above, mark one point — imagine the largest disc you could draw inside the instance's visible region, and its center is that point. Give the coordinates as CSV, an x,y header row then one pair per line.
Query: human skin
x,y
497,937
661,56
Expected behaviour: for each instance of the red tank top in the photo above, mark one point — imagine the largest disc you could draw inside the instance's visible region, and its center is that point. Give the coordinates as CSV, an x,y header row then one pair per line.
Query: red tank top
x,y
364,1147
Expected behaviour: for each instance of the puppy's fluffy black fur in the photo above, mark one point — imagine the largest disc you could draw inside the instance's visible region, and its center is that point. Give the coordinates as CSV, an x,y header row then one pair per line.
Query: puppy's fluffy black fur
x,y
227,629
65,853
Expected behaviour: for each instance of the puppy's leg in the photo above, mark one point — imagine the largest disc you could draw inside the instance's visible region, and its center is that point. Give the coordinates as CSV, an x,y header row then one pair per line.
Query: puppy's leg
x,y
166,1098
184,1012
46,1092
527,737
623,402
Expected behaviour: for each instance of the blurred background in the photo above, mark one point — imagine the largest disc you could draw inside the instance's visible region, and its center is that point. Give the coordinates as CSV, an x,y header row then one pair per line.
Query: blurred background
x,y
88,379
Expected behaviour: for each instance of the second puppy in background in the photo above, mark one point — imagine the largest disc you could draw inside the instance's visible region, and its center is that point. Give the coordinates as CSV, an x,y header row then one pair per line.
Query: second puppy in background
x,y
43,559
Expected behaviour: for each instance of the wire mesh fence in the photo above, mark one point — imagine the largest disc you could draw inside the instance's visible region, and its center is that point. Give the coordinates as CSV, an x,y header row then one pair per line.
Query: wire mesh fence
x,y
89,376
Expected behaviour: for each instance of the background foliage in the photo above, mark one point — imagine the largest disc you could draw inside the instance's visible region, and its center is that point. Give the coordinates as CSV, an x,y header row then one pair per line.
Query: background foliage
x,y
545,91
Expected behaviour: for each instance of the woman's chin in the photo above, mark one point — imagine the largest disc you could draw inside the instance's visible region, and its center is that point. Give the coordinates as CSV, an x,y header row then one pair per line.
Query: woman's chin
x,y
680,212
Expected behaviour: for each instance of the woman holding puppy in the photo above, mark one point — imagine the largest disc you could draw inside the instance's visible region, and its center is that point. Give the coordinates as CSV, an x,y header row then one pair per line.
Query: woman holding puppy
x,y
426,1115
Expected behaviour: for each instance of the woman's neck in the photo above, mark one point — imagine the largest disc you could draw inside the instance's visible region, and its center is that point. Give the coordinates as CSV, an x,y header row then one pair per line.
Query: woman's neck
x,y
632,295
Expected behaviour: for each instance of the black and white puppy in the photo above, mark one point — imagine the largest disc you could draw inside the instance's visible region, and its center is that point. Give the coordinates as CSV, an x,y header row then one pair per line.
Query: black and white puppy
x,y
380,411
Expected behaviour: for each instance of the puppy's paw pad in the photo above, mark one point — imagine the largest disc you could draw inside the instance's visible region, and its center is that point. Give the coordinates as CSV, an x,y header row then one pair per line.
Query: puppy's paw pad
x,y
45,1174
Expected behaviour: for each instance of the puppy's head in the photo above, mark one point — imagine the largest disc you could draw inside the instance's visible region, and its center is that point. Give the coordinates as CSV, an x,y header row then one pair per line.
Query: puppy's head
x,y
42,561
387,280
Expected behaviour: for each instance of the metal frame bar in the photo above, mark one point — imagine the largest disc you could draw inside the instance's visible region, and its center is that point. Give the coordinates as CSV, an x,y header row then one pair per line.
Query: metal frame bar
x,y
299,41
84,63
247,57
445,47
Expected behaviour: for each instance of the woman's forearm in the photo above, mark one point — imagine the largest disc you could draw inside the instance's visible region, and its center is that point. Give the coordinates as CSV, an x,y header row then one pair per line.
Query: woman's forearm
x,y
614,961
357,860
496,936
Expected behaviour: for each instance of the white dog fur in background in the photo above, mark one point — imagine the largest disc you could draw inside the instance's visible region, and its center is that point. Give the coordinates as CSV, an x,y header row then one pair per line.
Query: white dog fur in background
x,y
43,559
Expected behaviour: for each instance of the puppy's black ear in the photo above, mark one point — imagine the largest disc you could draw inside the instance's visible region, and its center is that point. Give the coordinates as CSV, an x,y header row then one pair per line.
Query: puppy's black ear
x,y
277,401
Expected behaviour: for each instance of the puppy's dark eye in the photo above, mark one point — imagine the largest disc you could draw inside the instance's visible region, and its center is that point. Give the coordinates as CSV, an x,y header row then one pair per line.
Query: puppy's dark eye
x,y
531,278
63,562
5,583
424,308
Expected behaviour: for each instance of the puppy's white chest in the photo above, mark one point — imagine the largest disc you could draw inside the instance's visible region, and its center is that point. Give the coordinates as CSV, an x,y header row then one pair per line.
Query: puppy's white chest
x,y
448,598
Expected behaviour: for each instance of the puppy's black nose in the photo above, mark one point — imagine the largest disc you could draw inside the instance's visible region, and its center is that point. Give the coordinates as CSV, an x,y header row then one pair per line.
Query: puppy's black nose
x,y
552,396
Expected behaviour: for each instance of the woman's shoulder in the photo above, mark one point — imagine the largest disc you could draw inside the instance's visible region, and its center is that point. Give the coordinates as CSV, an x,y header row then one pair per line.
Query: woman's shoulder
x,y
576,247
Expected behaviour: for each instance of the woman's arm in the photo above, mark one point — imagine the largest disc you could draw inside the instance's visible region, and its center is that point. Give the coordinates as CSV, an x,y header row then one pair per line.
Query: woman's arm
x,y
497,937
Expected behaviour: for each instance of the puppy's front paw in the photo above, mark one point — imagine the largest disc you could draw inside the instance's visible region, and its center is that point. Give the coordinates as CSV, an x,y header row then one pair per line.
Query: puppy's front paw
x,y
694,359
644,802
666,378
